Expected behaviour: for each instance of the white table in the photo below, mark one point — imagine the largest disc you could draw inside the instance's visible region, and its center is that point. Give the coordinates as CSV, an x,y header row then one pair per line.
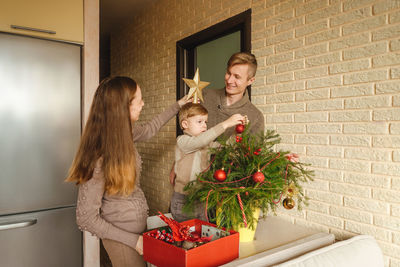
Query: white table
x,y
276,241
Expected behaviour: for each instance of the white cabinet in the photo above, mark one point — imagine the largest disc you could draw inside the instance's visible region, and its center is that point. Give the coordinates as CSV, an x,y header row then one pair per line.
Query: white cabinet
x,y
52,19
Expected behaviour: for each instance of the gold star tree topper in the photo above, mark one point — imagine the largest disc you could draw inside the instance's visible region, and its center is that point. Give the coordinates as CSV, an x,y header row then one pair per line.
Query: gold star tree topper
x,y
196,86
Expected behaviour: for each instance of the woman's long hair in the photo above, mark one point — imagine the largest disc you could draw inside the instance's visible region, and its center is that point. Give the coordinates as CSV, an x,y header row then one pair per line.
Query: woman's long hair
x,y
108,135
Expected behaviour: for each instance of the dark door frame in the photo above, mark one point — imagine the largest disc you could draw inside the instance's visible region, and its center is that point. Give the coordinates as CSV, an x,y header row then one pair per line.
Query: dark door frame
x,y
186,52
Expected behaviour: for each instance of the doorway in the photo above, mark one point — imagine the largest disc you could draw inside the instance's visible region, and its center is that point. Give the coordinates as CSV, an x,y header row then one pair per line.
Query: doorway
x,y
209,50
211,58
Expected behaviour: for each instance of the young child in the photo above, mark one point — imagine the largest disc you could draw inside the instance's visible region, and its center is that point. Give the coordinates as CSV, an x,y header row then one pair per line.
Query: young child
x,y
191,153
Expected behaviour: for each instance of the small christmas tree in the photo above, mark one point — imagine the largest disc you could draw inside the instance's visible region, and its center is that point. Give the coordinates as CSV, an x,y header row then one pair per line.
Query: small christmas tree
x,y
245,173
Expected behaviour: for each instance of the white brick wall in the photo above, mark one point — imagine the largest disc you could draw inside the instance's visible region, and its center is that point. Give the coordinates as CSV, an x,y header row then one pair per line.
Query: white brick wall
x,y
328,82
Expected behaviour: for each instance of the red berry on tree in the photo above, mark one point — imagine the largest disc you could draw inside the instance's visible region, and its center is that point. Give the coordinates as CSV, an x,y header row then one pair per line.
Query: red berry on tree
x,y
239,128
220,175
239,139
258,177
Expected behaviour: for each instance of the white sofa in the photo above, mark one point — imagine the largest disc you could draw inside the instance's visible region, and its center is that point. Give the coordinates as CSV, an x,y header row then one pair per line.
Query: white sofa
x,y
359,251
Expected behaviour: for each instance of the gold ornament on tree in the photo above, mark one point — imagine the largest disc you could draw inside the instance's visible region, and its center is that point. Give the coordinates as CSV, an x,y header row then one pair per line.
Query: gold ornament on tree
x,y
290,191
288,203
195,87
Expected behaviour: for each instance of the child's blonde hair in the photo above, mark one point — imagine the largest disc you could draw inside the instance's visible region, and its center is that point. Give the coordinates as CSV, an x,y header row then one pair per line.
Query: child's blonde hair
x,y
189,110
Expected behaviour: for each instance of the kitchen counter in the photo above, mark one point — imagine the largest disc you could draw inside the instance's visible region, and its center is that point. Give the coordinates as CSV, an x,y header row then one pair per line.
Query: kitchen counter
x,y
277,240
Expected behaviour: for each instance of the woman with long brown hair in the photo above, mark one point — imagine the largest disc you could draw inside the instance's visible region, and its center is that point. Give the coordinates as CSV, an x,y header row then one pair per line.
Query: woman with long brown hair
x,y
106,168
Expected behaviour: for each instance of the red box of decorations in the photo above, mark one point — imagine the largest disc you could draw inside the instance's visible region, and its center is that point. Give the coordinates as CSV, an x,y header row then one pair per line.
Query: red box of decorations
x,y
212,253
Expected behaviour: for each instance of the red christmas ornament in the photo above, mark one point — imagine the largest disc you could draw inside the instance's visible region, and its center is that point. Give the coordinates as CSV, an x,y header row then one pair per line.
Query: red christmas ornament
x,y
258,177
220,175
239,128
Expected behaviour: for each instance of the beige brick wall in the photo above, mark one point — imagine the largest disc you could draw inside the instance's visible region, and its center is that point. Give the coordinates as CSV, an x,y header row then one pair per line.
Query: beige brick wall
x,y
328,82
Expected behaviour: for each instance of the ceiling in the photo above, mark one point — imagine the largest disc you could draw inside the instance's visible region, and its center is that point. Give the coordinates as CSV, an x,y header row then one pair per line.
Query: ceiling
x,y
114,12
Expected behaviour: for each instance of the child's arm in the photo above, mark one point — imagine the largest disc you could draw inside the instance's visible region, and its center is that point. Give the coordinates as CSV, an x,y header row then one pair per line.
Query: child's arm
x,y
189,144
233,120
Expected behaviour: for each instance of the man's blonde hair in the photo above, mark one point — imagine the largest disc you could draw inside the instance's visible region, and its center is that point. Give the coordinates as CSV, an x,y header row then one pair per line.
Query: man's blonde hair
x,y
244,58
189,110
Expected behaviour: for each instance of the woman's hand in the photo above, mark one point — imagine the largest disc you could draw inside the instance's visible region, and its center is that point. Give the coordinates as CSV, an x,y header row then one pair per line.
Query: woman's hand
x,y
139,245
184,101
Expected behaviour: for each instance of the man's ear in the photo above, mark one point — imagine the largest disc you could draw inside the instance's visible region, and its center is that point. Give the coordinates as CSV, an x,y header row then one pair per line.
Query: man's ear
x,y
250,81
184,124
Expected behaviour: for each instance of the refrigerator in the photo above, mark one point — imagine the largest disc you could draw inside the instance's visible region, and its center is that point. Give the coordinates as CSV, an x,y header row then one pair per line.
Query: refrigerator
x,y
40,127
